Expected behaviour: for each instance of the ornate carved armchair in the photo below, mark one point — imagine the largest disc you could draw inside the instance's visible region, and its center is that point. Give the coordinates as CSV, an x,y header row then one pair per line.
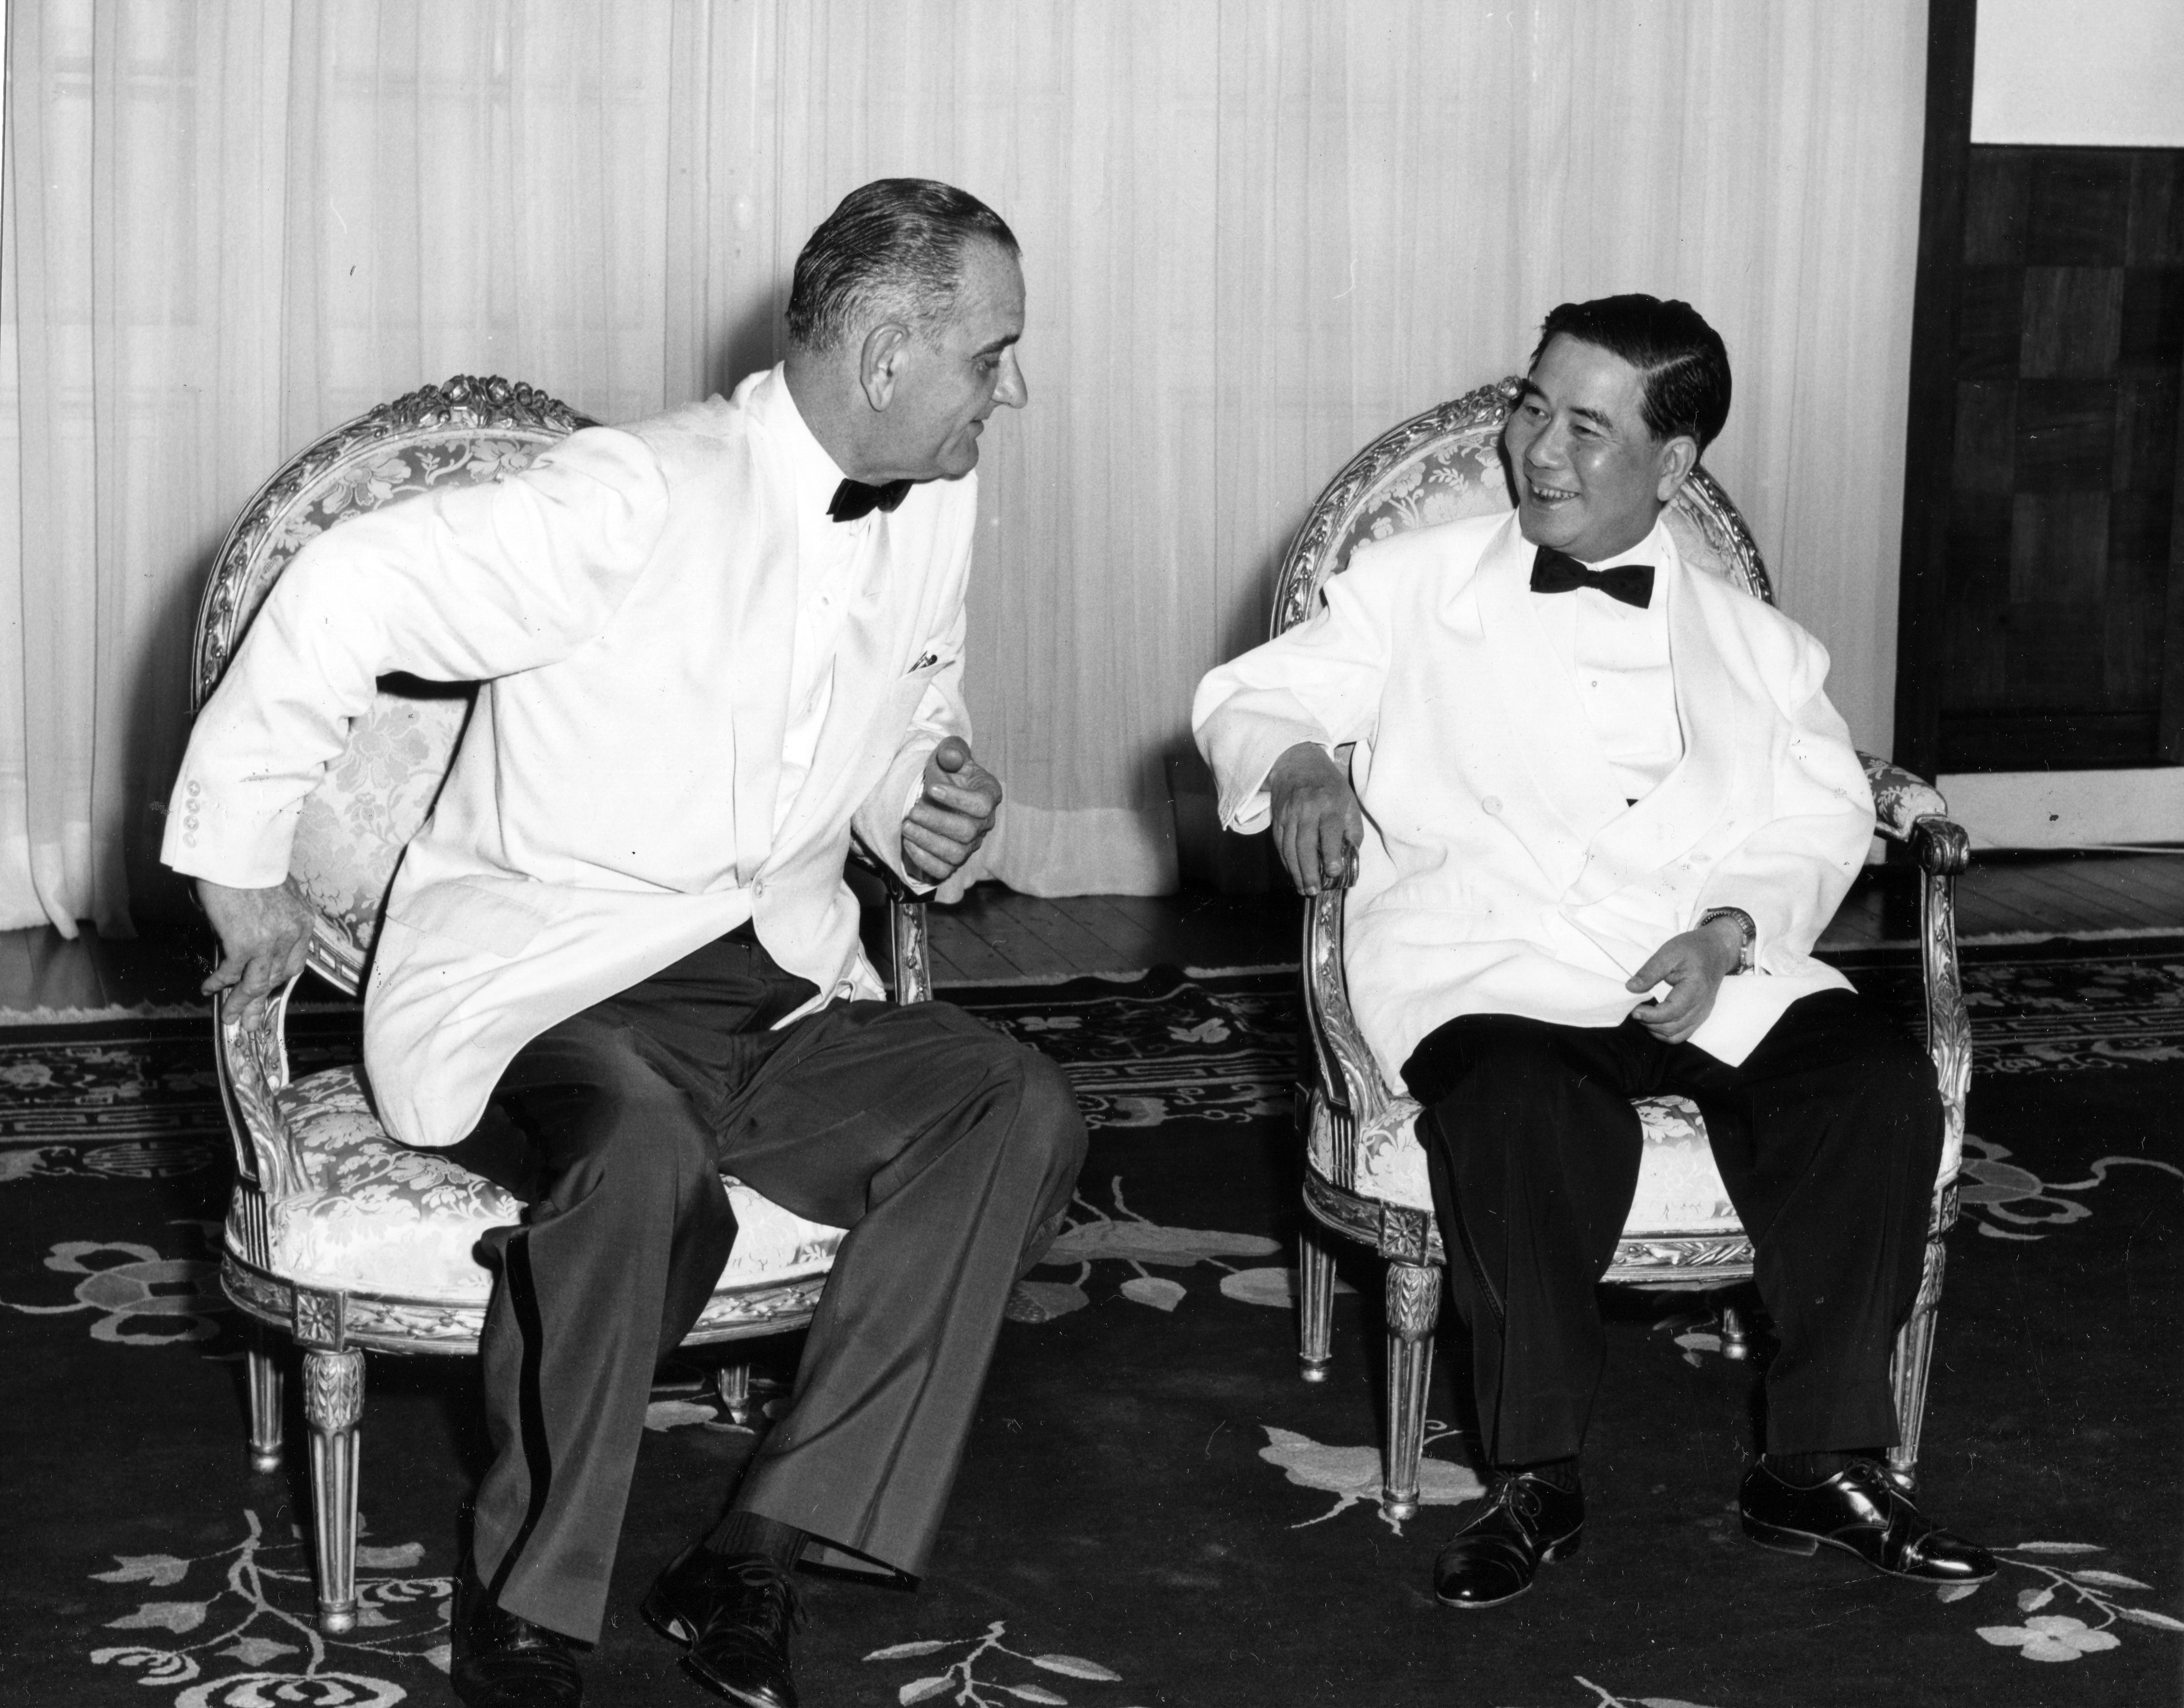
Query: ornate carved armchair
x,y
1365,1176
337,1237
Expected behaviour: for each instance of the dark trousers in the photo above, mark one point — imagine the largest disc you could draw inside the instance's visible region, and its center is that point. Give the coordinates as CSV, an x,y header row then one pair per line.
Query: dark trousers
x,y
948,1152
1828,1137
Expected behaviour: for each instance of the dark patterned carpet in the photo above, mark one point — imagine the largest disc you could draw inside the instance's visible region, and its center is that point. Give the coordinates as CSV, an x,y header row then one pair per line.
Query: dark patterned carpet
x,y
1154,1509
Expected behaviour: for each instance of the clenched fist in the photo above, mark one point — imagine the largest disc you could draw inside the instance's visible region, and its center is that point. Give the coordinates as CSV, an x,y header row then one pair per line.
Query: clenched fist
x,y
953,815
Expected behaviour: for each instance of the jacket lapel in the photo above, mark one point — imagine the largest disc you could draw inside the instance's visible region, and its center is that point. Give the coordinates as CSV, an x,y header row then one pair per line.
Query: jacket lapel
x,y
866,667
1643,839
763,561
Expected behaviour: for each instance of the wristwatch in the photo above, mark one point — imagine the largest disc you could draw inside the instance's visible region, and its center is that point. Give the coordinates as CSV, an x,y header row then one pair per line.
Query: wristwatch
x,y
1745,924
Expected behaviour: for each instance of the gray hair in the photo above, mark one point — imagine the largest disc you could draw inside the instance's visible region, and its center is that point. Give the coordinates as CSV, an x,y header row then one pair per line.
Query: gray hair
x,y
893,250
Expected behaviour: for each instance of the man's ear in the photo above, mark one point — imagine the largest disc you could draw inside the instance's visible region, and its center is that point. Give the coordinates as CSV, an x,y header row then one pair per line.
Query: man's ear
x,y
880,361
1673,462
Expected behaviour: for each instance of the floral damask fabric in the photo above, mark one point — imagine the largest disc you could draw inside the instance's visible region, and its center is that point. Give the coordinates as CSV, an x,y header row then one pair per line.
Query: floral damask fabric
x,y
1447,481
352,829
381,1217
374,474
1900,798
1679,1190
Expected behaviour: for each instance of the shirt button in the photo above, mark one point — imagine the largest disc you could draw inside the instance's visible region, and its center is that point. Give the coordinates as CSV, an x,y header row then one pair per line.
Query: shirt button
x,y
759,888
1491,805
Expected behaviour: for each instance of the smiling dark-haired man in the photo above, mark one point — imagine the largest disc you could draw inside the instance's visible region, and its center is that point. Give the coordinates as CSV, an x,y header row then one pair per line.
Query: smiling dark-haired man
x,y
620,958
1602,811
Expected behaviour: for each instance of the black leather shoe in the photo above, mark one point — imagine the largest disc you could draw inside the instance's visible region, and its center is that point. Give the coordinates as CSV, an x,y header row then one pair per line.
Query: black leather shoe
x,y
1494,1558
735,1610
501,1660
1863,1511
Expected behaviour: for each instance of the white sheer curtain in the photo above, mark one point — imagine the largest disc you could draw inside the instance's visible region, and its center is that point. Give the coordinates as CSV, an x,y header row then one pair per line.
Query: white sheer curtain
x,y
1256,232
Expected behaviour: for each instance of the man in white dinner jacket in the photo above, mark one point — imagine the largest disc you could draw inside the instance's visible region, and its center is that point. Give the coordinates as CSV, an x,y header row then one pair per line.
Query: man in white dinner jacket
x,y
1602,810
620,958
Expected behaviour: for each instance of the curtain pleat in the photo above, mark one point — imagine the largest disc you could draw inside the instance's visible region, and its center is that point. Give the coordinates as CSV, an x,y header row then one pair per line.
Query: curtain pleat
x,y
1257,233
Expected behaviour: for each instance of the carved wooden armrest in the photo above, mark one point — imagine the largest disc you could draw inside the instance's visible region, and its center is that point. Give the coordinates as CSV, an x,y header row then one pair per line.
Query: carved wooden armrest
x,y
1910,810
890,880
908,932
1901,799
254,1066
1941,846
1349,1072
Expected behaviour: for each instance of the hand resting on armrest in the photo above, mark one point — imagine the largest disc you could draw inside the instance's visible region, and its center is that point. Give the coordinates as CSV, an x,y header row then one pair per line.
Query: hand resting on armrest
x,y
263,936
1316,820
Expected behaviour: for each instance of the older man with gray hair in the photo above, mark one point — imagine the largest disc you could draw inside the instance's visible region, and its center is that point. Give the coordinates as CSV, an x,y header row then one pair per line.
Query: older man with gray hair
x,y
619,959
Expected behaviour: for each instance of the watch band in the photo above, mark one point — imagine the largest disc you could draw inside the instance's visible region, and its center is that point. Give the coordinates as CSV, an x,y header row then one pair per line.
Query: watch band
x,y
1745,924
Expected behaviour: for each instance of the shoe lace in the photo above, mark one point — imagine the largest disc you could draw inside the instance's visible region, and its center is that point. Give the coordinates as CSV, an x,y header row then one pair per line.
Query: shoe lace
x,y
771,1587
1513,1495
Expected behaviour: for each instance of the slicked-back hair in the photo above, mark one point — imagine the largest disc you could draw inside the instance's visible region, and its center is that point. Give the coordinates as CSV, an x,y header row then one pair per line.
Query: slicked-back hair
x,y
1682,361
892,250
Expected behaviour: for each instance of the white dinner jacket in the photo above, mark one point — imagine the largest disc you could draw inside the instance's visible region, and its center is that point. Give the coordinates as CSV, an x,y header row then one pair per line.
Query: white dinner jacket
x,y
628,604
1502,872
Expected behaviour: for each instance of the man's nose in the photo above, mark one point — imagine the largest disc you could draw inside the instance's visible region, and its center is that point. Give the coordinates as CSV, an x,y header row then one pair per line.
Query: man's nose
x,y
1549,448
1011,389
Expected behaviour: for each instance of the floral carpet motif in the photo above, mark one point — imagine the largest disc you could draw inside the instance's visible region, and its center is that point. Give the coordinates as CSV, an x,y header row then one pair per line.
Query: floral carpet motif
x,y
1153,1508
249,1604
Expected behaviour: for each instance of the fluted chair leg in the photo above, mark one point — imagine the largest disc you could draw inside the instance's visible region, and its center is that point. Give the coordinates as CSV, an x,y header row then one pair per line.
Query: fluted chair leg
x,y
1913,1363
733,1382
262,1377
333,1403
1413,1298
1315,1305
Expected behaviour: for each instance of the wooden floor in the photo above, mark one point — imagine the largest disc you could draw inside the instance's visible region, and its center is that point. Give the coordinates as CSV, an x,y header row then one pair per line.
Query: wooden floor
x,y
997,937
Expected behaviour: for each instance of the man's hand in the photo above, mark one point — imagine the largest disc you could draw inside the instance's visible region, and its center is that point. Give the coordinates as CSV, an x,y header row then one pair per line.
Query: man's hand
x,y
952,817
263,937
1693,964
1316,822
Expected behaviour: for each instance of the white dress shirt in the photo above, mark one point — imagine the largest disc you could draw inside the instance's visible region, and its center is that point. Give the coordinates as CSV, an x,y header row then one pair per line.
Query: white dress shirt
x,y
835,561
1617,656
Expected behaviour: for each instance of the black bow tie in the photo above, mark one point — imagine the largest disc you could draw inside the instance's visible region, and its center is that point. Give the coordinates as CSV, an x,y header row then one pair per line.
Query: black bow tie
x,y
1558,572
853,499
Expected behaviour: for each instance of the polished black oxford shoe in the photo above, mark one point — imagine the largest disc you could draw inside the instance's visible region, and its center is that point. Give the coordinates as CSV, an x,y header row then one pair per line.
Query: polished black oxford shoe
x,y
500,1659
1862,1510
736,1612
1494,1558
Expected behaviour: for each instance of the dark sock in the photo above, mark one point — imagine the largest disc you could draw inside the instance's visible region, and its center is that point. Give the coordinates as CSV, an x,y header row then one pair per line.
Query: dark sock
x,y
1556,1473
747,1532
1810,1470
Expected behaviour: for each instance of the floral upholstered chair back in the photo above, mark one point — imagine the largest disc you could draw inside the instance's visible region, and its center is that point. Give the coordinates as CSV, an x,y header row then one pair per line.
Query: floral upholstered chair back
x,y
352,828
1446,465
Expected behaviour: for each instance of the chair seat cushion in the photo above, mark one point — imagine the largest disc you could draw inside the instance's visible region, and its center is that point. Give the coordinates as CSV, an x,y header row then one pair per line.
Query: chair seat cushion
x,y
1679,1190
376,1216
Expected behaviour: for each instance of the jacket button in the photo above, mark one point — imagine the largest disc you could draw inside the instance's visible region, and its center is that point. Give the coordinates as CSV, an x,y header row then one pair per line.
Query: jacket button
x,y
1491,805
